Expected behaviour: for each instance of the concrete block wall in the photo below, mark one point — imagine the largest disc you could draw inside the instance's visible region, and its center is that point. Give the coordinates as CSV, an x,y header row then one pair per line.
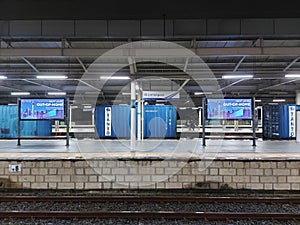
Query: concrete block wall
x,y
115,174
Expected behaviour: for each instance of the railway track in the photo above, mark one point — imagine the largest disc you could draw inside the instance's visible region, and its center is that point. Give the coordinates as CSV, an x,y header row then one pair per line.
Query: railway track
x,y
139,199
149,215
143,215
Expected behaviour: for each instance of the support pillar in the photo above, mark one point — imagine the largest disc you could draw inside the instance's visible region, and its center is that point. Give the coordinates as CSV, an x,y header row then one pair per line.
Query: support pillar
x,y
139,117
133,116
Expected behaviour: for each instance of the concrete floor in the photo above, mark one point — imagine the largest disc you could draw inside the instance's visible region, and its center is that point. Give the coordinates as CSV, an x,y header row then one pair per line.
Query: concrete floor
x,y
183,148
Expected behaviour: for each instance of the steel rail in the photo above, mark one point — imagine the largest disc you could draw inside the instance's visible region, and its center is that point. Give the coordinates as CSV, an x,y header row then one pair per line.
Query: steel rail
x,y
147,215
291,200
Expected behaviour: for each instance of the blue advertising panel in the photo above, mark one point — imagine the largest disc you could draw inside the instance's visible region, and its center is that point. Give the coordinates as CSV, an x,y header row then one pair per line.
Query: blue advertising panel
x,y
229,108
42,109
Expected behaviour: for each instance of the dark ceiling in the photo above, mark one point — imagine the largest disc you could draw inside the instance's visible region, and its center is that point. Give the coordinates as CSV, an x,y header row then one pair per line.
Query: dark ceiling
x,y
154,9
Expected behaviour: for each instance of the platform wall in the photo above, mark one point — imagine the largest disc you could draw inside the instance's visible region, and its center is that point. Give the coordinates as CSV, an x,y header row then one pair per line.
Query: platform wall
x,y
9,124
115,174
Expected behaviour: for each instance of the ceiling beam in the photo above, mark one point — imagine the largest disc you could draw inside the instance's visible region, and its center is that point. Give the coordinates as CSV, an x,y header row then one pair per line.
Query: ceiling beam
x,y
258,42
80,52
5,44
183,84
186,64
234,83
81,64
42,85
65,43
194,43
12,88
277,85
291,64
239,63
30,64
91,86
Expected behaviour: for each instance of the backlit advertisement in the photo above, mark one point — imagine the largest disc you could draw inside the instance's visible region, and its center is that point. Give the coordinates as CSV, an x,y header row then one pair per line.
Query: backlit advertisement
x,y
42,109
229,108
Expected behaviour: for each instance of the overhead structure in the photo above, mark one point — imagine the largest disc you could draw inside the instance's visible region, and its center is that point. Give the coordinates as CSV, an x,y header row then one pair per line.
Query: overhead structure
x,y
267,48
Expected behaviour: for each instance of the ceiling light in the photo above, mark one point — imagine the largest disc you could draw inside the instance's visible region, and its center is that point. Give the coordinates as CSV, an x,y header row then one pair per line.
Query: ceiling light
x,y
203,93
20,93
3,77
182,108
114,77
278,100
87,107
161,100
57,93
292,75
92,93
237,76
257,100
50,77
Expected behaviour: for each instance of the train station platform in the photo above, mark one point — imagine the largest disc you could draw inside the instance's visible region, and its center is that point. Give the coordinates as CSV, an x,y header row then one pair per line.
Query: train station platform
x,y
151,164
187,149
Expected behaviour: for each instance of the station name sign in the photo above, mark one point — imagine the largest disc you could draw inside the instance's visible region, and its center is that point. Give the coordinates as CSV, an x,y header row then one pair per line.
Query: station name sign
x,y
292,121
160,95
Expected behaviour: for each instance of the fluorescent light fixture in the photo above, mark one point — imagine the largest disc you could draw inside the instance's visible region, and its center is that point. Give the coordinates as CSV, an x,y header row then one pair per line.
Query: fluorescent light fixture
x,y
127,93
12,104
257,100
292,75
20,93
203,93
114,77
161,100
182,108
237,76
87,107
52,77
3,77
57,93
92,93
278,100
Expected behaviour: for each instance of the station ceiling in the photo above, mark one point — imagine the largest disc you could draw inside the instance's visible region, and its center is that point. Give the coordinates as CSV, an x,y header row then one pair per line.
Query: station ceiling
x,y
267,48
269,81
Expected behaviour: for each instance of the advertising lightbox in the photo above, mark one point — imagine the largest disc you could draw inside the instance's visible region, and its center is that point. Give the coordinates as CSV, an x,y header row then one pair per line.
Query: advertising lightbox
x,y
42,109
229,109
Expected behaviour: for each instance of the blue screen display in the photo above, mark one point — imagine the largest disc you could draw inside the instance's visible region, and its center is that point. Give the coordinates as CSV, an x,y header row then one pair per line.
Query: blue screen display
x,y
229,108
42,109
